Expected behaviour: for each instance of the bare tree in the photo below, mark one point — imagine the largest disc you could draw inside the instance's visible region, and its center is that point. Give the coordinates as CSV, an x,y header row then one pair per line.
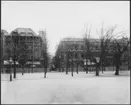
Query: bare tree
x,y
23,55
76,57
87,51
8,47
58,58
67,61
45,54
19,51
120,46
72,58
70,54
14,50
106,35
67,58
15,47
105,39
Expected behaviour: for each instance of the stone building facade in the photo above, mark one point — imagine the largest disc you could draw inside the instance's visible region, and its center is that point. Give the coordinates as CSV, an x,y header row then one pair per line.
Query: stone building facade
x,y
77,48
25,36
2,42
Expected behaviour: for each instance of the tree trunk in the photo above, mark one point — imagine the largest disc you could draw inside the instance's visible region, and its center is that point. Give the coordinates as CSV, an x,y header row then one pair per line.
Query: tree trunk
x,y
10,77
23,70
28,69
66,68
32,69
10,73
102,67
86,69
14,69
117,70
113,67
117,62
128,65
97,70
59,67
91,68
45,72
77,68
62,69
72,72
72,69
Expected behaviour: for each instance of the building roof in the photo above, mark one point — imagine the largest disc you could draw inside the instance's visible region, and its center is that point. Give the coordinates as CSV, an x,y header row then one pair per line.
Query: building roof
x,y
4,32
25,32
72,39
79,39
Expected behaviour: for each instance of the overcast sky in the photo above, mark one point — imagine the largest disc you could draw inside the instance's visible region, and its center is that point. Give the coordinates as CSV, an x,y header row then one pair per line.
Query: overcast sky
x,y
64,18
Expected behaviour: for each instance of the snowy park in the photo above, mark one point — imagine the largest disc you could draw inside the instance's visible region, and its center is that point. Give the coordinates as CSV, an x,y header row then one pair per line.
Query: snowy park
x,y
59,88
57,52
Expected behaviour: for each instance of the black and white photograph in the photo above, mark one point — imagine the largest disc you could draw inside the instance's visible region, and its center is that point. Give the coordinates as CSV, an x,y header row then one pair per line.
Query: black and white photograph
x,y
65,52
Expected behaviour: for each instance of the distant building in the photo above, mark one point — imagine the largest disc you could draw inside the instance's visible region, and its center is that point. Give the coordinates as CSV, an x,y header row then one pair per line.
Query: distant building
x,y
77,47
2,42
4,33
33,41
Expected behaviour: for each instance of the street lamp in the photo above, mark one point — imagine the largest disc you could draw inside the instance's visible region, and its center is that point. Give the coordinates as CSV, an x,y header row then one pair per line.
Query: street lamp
x,y
59,63
97,59
10,62
97,66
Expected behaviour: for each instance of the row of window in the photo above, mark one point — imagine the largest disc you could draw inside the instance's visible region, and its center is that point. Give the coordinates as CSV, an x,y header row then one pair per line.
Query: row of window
x,y
74,55
79,47
28,38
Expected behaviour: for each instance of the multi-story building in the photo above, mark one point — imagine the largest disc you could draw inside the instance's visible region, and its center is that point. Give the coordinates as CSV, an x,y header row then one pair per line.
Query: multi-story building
x,y
79,51
77,46
26,36
2,49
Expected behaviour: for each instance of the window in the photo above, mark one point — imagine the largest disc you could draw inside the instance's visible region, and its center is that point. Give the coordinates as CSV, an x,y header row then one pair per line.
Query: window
x,y
30,34
82,47
82,55
76,55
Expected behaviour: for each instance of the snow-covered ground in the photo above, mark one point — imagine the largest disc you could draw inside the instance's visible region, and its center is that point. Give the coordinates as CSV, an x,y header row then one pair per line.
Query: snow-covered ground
x,y
83,88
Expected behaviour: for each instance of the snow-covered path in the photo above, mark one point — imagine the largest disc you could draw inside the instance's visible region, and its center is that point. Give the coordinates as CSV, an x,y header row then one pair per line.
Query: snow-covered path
x,y
62,88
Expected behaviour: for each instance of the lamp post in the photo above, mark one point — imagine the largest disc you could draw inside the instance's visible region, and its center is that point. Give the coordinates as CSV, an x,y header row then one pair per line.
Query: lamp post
x,y
129,62
97,66
10,62
97,59
72,61
33,38
59,63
